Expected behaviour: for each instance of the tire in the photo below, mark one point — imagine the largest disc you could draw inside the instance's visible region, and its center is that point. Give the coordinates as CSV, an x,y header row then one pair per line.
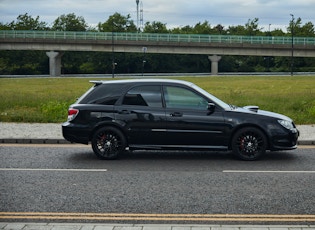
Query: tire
x,y
108,143
249,144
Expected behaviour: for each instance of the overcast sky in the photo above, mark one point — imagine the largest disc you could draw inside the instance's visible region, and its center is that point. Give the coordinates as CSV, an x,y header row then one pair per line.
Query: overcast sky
x,y
174,13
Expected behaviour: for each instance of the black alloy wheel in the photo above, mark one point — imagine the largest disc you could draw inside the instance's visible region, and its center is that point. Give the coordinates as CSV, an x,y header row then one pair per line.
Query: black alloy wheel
x,y
249,144
108,143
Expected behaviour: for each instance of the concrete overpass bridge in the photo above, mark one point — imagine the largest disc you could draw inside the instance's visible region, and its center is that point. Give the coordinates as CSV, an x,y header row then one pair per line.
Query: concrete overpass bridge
x,y
56,42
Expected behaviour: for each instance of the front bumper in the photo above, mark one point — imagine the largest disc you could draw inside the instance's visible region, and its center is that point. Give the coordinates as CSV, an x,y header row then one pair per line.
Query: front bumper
x,y
285,141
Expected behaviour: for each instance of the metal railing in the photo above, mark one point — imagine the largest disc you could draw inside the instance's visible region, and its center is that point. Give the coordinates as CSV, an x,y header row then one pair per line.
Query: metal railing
x,y
155,37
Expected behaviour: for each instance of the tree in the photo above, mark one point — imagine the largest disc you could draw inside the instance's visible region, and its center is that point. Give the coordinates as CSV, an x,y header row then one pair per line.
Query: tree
x,y
199,28
219,29
183,30
70,22
4,26
27,22
277,32
23,62
236,30
251,27
202,28
306,30
155,27
118,23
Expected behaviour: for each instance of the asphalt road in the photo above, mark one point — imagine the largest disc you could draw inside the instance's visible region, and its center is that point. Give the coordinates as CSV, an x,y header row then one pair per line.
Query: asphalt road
x,y
67,183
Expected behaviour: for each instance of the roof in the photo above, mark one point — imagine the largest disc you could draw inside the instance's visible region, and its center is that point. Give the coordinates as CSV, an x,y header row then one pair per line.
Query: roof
x,y
151,80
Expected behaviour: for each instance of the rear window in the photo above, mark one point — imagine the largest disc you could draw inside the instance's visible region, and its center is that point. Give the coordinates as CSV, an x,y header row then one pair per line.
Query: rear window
x,y
104,94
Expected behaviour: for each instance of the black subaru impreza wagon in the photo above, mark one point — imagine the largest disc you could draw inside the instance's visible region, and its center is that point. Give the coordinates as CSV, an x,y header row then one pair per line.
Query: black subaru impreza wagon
x,y
171,114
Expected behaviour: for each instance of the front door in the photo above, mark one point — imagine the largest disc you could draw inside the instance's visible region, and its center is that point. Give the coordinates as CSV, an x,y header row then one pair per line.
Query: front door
x,y
190,122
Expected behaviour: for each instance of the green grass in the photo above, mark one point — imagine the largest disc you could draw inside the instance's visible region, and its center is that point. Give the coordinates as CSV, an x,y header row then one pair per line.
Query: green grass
x,y
47,99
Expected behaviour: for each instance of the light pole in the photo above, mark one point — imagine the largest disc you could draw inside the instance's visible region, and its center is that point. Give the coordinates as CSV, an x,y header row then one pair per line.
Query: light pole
x,y
292,43
137,2
113,56
268,58
144,50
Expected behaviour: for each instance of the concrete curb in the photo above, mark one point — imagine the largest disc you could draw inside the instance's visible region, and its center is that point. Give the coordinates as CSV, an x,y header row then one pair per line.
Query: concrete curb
x,y
95,226
33,141
306,142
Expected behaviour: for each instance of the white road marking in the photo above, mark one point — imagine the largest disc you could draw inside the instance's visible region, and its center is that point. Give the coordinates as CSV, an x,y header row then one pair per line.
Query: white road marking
x,y
255,171
105,170
58,170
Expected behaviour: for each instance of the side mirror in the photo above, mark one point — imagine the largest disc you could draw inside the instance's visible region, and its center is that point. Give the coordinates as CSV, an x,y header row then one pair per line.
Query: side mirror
x,y
211,107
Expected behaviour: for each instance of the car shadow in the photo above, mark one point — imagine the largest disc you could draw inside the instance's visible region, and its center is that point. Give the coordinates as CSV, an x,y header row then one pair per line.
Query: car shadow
x,y
176,155
160,155
280,156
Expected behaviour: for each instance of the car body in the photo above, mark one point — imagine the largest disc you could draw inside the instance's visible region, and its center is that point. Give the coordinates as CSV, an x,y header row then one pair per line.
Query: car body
x,y
116,115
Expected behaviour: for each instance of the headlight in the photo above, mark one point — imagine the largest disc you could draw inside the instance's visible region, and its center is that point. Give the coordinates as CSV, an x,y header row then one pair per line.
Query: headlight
x,y
286,124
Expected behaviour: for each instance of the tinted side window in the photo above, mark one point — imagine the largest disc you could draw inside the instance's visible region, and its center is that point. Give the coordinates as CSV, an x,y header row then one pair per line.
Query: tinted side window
x,y
106,94
177,97
144,96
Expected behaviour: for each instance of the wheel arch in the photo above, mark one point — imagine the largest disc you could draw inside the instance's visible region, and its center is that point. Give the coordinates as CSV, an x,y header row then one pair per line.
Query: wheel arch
x,y
248,125
108,124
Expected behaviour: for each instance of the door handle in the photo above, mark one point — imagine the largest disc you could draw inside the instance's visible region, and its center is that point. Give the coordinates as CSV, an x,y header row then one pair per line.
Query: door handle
x,y
124,112
176,114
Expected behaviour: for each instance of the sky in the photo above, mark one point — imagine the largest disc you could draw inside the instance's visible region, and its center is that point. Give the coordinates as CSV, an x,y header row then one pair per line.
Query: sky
x,y
272,14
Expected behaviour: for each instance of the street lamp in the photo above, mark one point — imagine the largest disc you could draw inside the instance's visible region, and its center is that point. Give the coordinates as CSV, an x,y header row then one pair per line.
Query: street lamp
x,y
143,63
137,2
268,58
113,68
292,43
144,50
113,56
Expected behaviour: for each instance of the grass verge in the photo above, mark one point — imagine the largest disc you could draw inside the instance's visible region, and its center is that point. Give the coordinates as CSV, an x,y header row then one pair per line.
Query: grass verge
x,y
46,100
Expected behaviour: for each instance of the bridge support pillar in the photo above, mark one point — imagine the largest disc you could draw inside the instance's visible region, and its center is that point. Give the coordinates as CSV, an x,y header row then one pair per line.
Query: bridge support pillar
x,y
54,63
214,64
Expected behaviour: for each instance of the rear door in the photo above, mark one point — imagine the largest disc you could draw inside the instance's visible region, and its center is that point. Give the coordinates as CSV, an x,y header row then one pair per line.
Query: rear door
x,y
142,114
189,121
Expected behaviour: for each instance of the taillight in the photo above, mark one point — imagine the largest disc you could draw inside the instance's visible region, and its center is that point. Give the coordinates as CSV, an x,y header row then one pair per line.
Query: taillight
x,y
72,113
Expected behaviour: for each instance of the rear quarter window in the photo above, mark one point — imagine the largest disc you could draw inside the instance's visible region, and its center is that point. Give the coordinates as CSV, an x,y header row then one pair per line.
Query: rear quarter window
x,y
145,95
105,94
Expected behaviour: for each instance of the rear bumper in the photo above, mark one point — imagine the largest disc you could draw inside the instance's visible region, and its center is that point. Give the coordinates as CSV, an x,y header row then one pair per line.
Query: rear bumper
x,y
76,133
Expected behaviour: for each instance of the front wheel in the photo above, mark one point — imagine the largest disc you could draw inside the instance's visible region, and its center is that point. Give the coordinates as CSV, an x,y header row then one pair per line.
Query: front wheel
x,y
108,143
249,143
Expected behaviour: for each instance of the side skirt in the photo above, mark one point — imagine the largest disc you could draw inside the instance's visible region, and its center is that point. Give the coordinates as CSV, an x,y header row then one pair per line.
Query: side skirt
x,y
179,147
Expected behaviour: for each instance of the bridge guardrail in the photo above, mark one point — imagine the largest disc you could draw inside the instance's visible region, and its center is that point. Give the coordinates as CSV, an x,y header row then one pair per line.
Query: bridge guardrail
x,y
155,37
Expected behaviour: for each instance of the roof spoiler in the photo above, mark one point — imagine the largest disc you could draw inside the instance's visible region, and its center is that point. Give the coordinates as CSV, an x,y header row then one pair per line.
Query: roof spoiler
x,y
96,82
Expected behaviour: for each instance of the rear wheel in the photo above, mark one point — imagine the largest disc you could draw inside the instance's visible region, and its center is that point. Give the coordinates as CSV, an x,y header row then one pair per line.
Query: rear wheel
x,y
249,143
108,143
